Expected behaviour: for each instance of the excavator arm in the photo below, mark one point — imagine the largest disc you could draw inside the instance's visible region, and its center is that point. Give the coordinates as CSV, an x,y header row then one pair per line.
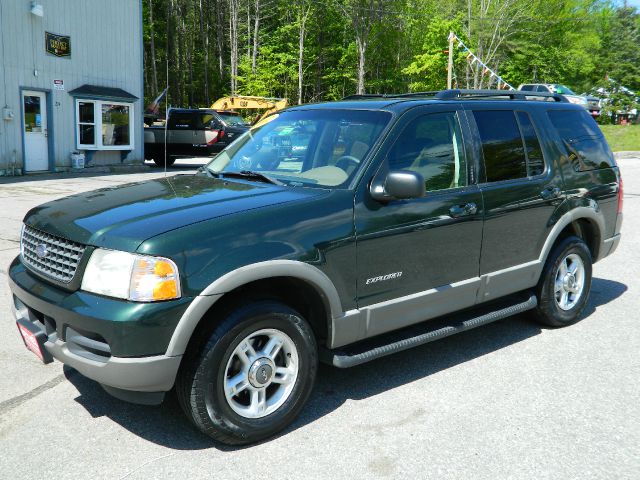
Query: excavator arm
x,y
239,102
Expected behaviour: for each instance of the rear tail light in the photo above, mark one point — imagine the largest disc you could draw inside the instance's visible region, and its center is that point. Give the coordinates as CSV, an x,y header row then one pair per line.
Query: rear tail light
x,y
620,195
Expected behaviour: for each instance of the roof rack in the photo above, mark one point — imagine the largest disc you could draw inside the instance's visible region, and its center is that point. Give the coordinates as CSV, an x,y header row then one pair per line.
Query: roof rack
x,y
364,96
457,94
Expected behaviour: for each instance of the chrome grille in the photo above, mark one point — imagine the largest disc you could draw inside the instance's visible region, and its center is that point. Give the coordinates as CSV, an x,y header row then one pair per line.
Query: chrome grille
x,y
60,260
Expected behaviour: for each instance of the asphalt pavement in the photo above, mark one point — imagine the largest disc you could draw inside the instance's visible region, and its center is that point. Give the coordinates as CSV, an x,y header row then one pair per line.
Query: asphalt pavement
x,y
508,400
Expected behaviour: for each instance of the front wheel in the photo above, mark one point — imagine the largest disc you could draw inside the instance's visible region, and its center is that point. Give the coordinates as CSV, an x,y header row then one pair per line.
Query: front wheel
x,y
565,283
253,375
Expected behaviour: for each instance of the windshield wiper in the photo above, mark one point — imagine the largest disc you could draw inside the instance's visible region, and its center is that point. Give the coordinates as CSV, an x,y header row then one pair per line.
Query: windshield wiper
x,y
206,171
250,174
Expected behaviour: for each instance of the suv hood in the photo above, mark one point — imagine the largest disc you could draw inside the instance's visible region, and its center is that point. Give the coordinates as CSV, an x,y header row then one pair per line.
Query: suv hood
x,y
123,217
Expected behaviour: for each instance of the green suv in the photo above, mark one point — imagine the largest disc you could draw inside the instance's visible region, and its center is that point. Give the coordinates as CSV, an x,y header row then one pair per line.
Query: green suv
x,y
338,232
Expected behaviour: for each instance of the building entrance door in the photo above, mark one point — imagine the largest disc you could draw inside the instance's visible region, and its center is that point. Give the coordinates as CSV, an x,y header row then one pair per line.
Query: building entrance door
x,y
36,144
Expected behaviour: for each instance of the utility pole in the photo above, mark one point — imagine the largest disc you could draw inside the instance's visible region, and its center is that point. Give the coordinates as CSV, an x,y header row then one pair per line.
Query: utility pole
x,y
450,64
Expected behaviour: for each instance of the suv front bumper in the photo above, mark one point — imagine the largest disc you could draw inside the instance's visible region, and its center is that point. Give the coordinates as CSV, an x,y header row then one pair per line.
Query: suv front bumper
x,y
80,332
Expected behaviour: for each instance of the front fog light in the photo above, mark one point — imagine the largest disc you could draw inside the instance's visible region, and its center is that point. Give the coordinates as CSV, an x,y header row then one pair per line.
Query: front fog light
x,y
128,276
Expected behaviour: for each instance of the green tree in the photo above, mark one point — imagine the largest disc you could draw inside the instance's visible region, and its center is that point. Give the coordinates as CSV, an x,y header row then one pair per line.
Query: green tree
x,y
428,71
380,46
620,54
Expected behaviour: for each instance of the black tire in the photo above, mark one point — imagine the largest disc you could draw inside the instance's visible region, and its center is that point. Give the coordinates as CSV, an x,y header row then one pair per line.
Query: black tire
x,y
159,160
202,376
548,311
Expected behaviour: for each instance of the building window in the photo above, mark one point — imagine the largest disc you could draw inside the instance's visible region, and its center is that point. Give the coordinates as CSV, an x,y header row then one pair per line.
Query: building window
x,y
86,124
104,125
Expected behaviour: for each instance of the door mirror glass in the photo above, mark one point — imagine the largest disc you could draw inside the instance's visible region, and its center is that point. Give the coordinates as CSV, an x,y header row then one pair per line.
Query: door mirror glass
x,y
398,185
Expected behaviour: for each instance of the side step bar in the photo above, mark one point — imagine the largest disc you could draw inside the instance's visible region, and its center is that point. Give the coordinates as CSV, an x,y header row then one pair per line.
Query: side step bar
x,y
424,333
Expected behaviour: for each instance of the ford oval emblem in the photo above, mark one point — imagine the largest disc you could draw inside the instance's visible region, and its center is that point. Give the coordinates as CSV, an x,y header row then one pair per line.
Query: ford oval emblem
x,y
41,250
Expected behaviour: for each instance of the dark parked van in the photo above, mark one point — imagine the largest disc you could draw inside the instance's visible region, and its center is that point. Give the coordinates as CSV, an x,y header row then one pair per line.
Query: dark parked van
x,y
339,232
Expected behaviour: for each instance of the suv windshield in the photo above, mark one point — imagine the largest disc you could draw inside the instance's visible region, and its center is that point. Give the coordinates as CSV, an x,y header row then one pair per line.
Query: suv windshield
x,y
322,148
233,119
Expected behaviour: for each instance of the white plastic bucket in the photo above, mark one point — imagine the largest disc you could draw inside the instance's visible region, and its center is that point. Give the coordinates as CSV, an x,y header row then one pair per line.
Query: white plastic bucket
x,y
77,160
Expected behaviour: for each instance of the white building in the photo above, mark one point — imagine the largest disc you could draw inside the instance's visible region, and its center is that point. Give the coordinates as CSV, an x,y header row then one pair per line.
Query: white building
x,y
71,79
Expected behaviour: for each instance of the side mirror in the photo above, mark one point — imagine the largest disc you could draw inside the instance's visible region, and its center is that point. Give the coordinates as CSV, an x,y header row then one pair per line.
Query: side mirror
x,y
398,184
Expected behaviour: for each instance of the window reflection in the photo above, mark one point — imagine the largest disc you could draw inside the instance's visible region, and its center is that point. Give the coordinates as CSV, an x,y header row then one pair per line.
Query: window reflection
x,y
115,124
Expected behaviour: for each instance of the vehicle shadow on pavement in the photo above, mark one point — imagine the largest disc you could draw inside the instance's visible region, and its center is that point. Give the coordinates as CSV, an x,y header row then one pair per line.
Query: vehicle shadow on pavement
x,y
166,424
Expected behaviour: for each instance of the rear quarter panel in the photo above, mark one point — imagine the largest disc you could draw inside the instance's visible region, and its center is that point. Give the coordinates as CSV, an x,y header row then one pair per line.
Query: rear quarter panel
x,y
582,188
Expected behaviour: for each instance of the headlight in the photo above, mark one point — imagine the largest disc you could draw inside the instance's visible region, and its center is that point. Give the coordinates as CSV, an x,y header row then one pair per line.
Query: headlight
x,y
141,278
578,100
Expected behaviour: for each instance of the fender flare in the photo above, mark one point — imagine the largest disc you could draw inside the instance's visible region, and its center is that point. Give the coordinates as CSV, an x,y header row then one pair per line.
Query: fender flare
x,y
577,213
246,274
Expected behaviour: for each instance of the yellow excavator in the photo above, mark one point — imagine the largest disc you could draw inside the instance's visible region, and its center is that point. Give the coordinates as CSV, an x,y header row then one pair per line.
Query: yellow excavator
x,y
239,102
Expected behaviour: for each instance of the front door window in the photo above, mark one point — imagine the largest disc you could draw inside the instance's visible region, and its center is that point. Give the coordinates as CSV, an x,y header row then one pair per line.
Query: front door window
x,y
432,147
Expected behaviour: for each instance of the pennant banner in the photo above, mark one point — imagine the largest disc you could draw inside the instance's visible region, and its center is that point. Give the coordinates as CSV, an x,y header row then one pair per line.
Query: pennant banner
x,y
473,59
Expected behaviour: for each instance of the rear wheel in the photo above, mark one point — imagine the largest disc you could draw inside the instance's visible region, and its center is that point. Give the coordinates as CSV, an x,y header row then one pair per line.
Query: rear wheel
x,y
565,283
252,376
159,160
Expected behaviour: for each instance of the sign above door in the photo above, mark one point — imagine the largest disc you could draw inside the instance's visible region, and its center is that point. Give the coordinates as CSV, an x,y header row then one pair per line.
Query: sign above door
x,y
58,45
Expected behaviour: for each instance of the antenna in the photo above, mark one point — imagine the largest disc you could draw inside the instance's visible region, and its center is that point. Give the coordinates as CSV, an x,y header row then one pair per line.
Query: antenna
x,y
166,98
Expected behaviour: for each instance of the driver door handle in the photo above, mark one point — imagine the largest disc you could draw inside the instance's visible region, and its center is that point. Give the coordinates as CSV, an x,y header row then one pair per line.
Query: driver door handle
x,y
463,210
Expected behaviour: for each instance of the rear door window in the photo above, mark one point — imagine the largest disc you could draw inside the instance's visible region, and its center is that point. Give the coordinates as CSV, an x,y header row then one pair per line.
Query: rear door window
x,y
504,157
182,121
533,151
510,146
582,138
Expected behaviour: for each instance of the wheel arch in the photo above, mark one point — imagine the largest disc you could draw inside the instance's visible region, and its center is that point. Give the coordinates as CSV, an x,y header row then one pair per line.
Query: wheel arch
x,y
306,287
584,222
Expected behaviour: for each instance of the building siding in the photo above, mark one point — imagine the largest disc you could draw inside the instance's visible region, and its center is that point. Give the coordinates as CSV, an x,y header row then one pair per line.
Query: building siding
x,y
106,50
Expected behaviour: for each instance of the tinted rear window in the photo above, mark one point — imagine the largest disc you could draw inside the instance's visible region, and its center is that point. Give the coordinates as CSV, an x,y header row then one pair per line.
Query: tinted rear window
x,y
582,138
182,120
